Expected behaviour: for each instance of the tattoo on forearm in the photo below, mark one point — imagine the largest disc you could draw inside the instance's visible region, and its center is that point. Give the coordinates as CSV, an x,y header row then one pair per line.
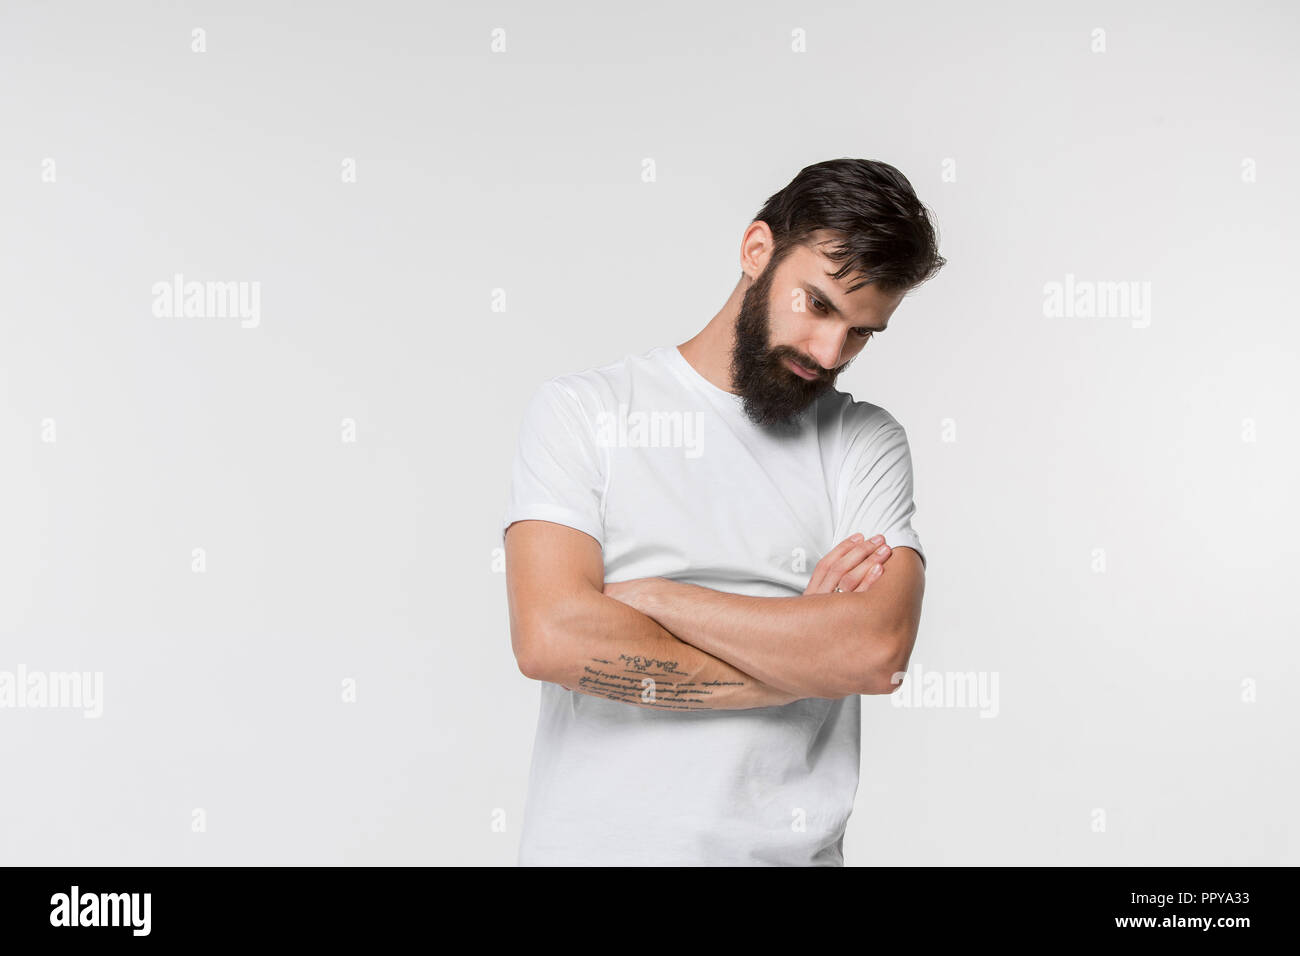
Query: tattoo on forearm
x,y
643,663
650,682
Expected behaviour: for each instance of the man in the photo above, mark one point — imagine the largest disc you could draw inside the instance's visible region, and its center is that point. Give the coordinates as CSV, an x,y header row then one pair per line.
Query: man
x,y
699,696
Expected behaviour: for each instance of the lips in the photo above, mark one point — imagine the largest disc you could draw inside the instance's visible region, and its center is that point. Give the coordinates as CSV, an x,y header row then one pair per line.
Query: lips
x,y
800,370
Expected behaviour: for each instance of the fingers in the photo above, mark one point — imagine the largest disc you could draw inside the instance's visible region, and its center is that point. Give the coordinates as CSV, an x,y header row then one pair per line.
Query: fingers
x,y
859,577
848,565
849,569
865,574
817,583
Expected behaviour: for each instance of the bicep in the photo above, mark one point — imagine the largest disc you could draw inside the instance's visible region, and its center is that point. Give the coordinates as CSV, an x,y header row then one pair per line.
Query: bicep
x,y
891,617
548,567
899,591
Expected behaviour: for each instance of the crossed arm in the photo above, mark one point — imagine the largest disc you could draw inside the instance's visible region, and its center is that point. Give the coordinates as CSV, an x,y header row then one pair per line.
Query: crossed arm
x,y
816,645
654,642
566,631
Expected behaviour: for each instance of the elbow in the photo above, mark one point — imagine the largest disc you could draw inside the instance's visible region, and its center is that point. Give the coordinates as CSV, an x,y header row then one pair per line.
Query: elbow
x,y
530,664
532,655
882,682
543,640
882,671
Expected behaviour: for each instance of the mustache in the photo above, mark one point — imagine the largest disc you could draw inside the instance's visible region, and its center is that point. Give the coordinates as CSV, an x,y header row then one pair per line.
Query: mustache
x,y
808,364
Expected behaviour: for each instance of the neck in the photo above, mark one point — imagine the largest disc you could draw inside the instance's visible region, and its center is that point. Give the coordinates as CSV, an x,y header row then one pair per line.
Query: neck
x,y
709,350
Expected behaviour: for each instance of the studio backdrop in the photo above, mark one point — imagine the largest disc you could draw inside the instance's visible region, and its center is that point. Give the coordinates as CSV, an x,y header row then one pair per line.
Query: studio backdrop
x,y
277,280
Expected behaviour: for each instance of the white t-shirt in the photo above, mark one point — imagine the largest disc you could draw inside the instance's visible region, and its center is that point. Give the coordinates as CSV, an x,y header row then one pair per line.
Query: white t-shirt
x,y
665,470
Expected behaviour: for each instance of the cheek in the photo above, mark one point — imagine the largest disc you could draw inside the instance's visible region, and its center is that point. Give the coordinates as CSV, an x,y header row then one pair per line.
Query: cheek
x,y
852,345
786,328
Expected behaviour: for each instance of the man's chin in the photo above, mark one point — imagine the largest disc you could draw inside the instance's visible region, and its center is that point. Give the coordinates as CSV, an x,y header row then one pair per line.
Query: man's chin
x,y
775,396
782,415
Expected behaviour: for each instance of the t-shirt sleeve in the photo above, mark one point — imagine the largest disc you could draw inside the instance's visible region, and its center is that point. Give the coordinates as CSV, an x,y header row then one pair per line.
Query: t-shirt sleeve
x,y
559,472
878,489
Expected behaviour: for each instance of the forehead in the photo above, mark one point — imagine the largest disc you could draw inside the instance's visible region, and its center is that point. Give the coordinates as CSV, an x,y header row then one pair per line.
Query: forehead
x,y
809,264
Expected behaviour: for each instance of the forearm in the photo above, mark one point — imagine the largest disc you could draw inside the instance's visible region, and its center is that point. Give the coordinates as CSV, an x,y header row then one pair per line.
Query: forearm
x,y
604,648
815,645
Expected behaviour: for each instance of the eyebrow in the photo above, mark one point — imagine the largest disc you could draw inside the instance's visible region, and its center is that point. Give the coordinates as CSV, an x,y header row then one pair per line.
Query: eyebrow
x,y
830,304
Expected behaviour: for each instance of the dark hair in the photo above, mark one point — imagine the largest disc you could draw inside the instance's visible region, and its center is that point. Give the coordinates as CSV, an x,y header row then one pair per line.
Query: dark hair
x,y
884,230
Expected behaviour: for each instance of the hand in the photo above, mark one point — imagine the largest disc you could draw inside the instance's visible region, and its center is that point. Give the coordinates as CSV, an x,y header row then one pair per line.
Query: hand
x,y
850,566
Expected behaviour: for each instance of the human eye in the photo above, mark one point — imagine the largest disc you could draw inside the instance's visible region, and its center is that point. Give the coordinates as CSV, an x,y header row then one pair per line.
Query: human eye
x,y
818,304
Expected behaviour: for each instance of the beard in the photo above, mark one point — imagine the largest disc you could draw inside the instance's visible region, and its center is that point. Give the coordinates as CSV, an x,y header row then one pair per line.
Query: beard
x,y
774,396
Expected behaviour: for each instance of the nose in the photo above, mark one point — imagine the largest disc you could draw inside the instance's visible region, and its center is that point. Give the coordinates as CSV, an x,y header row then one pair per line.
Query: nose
x,y
828,346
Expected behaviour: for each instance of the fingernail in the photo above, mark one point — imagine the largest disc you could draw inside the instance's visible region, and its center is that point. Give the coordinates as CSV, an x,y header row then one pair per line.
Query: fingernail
x,y
856,537
875,570
882,549
878,539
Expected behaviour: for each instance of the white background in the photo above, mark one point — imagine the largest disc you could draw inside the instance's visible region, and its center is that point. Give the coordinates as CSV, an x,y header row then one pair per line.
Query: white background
x,y
1119,690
